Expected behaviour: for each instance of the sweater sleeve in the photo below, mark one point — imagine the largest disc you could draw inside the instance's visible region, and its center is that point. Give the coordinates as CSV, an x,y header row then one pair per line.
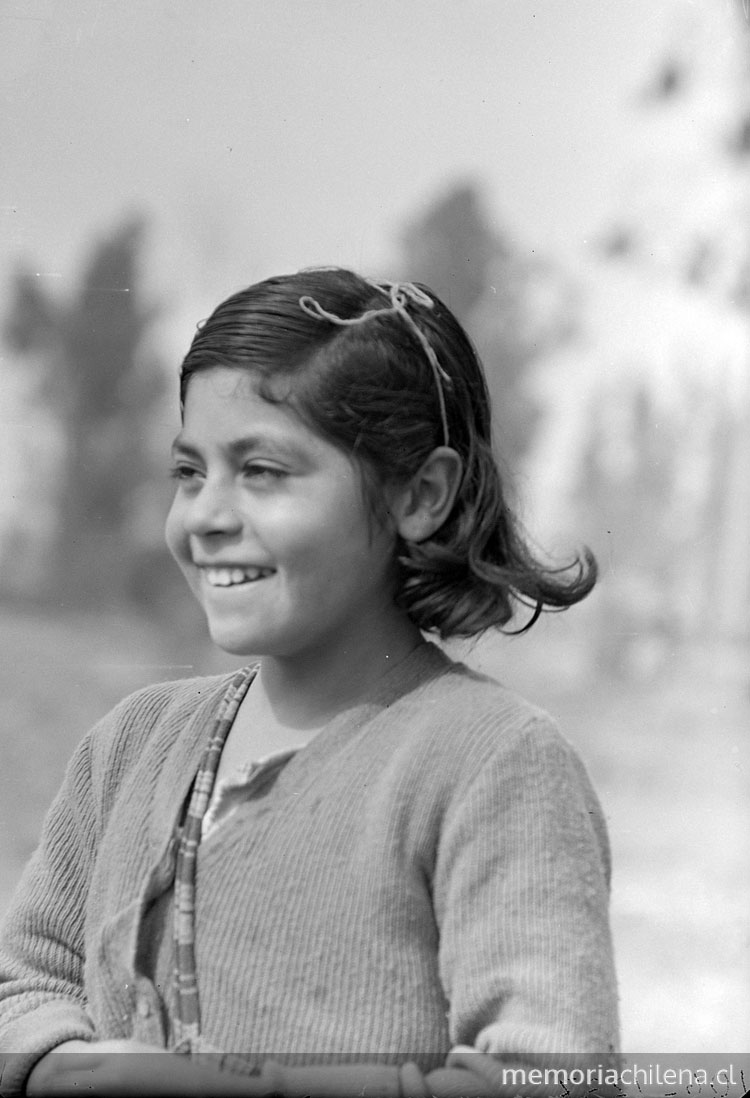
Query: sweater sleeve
x,y
42,938
521,896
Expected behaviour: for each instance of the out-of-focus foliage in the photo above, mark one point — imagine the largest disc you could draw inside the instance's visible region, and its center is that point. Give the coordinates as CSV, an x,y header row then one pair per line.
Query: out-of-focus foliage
x,y
91,378
647,410
628,485
510,303
451,247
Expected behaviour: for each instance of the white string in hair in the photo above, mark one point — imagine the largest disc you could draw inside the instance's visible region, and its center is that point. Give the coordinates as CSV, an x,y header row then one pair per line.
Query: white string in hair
x,y
399,295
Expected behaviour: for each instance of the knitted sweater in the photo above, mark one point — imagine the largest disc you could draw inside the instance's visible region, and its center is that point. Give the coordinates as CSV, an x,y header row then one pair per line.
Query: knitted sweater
x,y
427,878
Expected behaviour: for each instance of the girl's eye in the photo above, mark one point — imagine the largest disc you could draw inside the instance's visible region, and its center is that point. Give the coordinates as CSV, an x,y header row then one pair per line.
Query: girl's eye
x,y
262,472
183,472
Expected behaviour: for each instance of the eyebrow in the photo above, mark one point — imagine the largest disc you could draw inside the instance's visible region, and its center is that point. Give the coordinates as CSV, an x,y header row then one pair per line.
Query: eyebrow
x,y
239,446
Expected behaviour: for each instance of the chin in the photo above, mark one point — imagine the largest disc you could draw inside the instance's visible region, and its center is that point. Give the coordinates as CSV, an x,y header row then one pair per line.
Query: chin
x,y
234,644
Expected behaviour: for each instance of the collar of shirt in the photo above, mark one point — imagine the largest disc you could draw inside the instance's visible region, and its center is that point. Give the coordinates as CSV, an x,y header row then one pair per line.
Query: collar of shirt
x,y
246,781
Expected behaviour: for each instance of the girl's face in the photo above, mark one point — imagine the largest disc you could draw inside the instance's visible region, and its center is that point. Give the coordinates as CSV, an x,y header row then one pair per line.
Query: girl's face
x,y
270,526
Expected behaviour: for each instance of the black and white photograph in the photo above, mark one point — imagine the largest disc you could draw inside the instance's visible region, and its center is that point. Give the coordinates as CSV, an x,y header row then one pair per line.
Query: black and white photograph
x,y
375,548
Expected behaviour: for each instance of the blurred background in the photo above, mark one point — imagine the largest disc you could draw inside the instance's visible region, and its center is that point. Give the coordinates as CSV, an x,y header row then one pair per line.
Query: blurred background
x,y
574,179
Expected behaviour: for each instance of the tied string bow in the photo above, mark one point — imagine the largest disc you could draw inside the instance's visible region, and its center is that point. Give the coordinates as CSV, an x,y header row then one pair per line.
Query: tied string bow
x,y
400,295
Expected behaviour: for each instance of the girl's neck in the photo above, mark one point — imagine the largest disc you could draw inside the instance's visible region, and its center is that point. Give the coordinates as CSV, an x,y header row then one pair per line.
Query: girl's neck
x,y
307,691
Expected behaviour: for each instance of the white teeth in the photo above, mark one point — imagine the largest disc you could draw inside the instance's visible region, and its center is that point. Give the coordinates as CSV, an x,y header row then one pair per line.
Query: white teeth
x,y
229,577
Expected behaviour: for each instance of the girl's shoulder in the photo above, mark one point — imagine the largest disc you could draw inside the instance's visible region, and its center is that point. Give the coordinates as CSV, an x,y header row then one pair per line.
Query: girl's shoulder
x,y
476,705
489,746
160,711
179,693
469,722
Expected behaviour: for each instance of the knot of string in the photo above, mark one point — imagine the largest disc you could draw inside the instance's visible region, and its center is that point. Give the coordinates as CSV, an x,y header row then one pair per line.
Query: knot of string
x,y
400,295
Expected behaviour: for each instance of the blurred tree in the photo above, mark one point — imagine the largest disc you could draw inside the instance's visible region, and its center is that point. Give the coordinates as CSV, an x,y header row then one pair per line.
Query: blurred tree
x,y
629,492
87,353
656,467
451,247
508,302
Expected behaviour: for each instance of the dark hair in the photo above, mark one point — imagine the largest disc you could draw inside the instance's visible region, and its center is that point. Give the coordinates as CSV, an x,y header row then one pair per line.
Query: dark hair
x,y
370,389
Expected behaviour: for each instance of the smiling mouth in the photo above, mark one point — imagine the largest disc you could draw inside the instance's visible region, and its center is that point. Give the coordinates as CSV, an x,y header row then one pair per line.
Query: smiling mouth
x,y
235,577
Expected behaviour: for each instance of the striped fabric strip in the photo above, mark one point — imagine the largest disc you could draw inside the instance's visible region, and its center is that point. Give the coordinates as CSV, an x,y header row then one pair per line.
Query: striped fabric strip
x,y
187,1006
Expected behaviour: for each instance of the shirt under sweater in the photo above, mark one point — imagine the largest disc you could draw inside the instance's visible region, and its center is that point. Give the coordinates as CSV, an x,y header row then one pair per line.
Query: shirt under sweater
x,y
430,873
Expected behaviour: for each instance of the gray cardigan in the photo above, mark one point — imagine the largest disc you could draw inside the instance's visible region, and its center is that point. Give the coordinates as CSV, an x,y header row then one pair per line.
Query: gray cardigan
x,y
427,878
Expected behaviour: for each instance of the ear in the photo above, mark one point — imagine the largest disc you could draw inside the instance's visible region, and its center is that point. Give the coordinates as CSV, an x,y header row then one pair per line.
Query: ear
x,y
422,506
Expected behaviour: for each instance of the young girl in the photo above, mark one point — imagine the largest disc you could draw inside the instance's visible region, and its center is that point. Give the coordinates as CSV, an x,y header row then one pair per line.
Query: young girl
x,y
354,866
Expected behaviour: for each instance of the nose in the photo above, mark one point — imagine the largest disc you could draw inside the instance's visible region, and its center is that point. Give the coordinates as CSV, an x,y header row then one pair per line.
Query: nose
x,y
212,511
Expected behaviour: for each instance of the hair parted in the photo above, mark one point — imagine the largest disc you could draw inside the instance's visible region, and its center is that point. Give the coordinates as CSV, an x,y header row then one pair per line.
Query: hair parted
x,y
370,390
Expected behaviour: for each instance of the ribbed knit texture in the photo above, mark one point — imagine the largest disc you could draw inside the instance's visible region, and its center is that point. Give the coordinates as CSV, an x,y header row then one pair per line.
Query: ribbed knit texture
x,y
431,870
